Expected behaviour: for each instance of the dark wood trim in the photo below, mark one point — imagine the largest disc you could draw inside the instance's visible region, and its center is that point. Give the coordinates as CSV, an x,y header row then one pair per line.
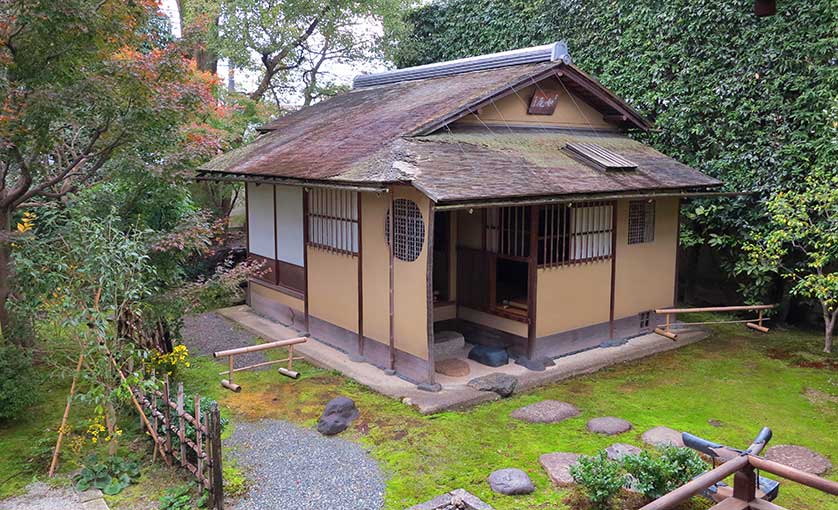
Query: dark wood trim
x,y
305,259
533,279
429,232
360,278
677,249
603,94
288,291
276,240
613,296
392,269
246,219
291,276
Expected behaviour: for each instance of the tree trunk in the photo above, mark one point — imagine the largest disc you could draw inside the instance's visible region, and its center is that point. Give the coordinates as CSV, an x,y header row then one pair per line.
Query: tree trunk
x,y
5,275
828,326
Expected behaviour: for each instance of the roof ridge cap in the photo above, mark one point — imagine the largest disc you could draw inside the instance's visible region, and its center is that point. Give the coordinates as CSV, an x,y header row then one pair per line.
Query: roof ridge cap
x,y
553,52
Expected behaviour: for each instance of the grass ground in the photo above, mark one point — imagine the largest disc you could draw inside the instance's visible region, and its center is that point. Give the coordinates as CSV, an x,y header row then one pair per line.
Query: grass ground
x,y
743,380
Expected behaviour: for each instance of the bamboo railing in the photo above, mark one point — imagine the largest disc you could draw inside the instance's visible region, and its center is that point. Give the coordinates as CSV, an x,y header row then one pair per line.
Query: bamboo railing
x,y
287,370
669,314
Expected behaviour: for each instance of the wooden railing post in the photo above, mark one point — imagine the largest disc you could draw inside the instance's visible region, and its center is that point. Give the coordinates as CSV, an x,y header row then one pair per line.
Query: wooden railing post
x,y
181,424
167,417
217,477
199,439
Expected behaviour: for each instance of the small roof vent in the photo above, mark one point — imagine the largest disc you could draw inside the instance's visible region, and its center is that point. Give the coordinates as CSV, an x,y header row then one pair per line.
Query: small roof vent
x,y
599,157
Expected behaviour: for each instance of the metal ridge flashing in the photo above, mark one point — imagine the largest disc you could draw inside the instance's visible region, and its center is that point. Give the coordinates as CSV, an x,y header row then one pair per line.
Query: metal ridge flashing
x,y
555,52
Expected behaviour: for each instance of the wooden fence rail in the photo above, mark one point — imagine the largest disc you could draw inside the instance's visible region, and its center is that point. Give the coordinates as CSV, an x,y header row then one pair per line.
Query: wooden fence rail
x,y
200,454
669,314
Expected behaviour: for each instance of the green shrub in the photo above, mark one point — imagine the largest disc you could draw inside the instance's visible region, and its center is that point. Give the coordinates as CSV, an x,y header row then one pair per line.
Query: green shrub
x,y
181,498
662,472
110,475
17,381
599,477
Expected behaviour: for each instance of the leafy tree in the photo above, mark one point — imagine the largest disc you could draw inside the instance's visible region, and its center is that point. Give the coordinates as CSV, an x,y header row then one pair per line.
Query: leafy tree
x,y
89,85
299,35
801,245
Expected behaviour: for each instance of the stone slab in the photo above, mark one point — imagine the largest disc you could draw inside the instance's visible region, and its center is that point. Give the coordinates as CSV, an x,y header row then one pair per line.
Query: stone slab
x,y
608,425
659,436
448,344
619,450
546,411
458,499
558,465
799,457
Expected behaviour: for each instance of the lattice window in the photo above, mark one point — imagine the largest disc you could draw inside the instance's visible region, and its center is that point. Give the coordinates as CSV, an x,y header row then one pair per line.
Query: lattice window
x,y
575,233
641,223
409,227
333,220
508,231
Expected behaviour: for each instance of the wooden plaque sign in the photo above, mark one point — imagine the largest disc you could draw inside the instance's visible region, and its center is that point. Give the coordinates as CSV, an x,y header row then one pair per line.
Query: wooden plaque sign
x,y
543,102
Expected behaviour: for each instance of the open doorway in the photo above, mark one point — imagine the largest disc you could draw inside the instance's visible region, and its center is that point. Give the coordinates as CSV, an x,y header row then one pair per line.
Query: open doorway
x,y
442,257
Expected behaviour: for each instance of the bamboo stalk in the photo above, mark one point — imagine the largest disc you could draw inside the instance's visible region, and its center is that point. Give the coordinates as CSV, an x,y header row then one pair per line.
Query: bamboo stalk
x,y
57,450
260,347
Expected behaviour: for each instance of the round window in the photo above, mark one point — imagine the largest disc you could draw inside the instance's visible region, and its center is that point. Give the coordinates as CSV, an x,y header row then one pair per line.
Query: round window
x,y
409,230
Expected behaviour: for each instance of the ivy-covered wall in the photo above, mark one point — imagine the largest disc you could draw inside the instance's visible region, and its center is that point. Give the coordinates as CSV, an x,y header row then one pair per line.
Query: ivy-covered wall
x,y
752,101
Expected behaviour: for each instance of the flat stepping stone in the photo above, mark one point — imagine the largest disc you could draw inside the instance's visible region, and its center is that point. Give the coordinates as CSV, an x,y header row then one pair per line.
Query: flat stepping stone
x,y
608,425
799,457
456,499
502,384
660,436
452,367
448,344
558,465
546,411
619,450
511,482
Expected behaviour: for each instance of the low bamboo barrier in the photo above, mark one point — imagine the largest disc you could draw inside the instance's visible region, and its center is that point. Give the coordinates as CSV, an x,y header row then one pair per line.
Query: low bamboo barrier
x,y
669,314
287,370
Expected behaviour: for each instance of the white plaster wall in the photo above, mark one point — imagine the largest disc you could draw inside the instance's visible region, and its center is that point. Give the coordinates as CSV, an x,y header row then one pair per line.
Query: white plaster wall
x,y
289,224
260,220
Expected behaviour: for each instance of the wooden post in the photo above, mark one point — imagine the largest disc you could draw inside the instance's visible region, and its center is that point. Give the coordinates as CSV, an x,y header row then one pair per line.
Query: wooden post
x,y
429,292
61,427
167,417
745,483
360,281
392,349
533,281
217,478
613,296
199,436
181,427
154,422
305,259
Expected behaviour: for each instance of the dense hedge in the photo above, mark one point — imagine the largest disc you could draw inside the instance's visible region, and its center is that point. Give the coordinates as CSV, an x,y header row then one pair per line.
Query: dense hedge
x,y
749,100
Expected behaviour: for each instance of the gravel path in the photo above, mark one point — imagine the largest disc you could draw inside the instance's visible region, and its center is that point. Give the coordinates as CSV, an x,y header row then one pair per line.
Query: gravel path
x,y
292,468
40,496
209,332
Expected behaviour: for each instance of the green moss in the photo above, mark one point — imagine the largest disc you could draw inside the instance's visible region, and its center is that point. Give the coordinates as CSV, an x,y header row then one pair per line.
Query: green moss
x,y
742,379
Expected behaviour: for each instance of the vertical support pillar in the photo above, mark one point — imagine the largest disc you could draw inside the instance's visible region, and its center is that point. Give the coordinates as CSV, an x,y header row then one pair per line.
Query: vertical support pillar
x,y
677,249
745,484
360,354
429,281
613,298
532,286
391,367
276,242
305,259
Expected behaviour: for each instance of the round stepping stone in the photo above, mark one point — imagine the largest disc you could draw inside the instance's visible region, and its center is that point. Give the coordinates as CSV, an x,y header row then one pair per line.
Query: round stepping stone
x,y
452,367
511,482
609,425
619,450
546,411
800,458
558,465
659,436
